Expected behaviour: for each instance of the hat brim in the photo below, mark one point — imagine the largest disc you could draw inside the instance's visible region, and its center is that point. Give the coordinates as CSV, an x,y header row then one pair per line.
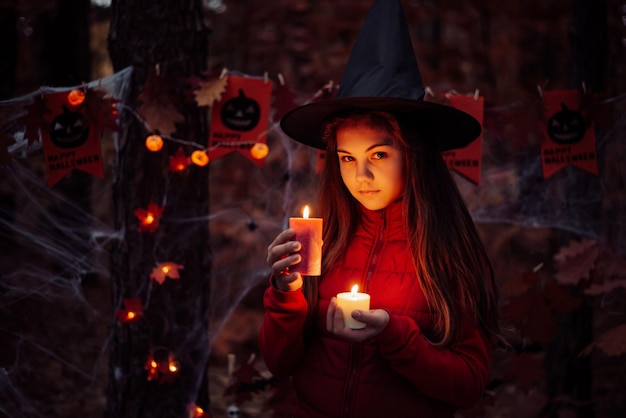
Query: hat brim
x,y
449,127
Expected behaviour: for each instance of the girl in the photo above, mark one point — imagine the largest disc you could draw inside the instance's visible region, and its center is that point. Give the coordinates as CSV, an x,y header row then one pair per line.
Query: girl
x,y
396,225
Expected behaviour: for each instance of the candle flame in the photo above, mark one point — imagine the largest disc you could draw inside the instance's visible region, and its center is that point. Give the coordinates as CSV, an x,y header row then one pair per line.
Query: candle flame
x,y
355,289
305,212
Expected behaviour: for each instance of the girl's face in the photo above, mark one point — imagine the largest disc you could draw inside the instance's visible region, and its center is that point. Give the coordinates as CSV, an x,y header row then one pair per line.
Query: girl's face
x,y
372,167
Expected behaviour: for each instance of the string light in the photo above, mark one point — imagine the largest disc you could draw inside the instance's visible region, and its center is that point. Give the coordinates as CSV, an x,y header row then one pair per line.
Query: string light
x,y
200,158
179,161
154,143
76,97
161,365
149,218
259,151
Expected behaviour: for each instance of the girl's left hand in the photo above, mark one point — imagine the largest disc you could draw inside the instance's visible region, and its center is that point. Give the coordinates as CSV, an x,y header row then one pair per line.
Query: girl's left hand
x,y
375,319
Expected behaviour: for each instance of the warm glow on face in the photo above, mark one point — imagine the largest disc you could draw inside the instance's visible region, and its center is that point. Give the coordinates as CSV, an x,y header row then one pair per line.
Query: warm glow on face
x,y
372,167
355,289
305,212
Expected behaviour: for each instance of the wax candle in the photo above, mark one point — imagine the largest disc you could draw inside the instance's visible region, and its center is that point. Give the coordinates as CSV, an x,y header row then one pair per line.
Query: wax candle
x,y
309,234
352,301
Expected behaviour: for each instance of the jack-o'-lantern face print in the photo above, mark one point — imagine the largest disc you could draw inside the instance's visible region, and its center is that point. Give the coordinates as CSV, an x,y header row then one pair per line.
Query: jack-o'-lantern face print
x,y
241,113
69,129
566,126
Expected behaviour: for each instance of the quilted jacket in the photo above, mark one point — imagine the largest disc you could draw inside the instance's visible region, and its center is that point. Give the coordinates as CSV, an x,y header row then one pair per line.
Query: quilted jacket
x,y
398,373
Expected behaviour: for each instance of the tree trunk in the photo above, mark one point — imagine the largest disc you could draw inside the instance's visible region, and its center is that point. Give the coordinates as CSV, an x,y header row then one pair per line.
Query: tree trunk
x,y
570,375
171,35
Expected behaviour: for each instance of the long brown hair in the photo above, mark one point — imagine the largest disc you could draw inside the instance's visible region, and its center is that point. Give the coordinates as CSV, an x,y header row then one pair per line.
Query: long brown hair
x,y
449,258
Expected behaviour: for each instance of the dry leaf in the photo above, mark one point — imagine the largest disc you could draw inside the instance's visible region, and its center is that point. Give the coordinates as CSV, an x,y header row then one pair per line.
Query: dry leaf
x,y
598,289
209,92
161,117
574,249
612,342
158,105
576,268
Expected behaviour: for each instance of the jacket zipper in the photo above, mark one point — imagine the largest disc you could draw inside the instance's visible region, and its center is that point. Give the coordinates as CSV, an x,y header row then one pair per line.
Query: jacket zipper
x,y
356,348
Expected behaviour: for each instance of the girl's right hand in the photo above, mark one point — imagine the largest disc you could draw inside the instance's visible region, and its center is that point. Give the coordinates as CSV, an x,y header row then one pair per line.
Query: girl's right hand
x,y
281,254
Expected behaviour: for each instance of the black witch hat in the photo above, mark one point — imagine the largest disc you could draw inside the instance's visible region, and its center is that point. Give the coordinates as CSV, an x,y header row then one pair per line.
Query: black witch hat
x,y
382,74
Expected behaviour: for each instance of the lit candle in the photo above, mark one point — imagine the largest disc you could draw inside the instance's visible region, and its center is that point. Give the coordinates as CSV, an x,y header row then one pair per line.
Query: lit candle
x,y
309,234
353,301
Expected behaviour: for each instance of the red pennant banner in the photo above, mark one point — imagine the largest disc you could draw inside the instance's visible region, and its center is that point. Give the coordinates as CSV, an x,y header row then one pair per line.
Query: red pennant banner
x,y
69,141
240,119
569,137
467,161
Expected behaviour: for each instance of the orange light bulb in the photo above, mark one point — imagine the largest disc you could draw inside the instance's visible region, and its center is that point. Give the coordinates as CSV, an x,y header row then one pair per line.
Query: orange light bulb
x,y
200,158
76,97
259,151
154,143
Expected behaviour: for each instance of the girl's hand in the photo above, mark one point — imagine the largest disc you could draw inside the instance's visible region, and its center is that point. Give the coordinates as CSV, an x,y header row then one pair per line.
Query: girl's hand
x,y
281,254
375,319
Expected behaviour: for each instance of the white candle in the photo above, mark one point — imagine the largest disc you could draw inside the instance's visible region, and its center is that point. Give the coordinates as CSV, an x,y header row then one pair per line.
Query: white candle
x,y
352,301
309,234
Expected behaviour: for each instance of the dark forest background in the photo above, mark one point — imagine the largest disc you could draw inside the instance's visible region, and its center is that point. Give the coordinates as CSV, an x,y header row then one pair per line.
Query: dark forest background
x,y
70,254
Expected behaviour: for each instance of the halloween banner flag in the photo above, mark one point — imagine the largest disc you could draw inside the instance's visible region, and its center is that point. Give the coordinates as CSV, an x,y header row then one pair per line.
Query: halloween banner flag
x,y
240,118
69,142
467,160
569,135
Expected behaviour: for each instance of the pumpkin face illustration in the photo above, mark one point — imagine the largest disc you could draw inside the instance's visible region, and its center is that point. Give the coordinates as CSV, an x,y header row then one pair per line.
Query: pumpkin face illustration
x,y
241,113
566,126
69,130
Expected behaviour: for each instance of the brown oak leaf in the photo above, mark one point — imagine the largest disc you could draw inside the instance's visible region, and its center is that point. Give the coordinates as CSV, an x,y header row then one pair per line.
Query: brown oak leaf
x,y
210,91
161,117
158,105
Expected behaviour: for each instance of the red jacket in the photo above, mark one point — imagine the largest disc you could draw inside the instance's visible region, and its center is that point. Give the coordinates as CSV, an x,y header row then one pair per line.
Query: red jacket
x,y
396,374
